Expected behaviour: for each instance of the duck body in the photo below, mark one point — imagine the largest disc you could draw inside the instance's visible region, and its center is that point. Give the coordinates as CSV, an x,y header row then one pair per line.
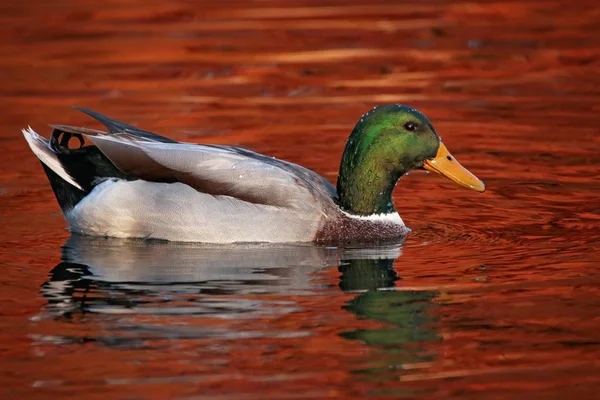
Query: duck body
x,y
132,183
178,212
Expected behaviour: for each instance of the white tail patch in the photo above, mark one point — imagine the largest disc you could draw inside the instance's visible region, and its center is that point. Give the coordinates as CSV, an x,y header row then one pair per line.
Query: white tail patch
x,y
40,148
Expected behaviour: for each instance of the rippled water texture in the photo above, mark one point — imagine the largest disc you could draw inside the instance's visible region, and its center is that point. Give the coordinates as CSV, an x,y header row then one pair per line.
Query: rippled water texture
x,y
492,296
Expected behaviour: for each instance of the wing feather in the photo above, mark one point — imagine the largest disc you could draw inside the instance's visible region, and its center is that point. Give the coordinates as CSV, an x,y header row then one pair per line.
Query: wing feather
x,y
211,169
216,170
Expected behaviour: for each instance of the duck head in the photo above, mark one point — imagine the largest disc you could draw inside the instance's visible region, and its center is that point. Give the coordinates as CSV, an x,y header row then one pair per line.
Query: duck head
x,y
386,143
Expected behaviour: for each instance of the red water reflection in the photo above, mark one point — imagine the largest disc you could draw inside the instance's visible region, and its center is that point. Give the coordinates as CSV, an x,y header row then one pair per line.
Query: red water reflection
x,y
498,292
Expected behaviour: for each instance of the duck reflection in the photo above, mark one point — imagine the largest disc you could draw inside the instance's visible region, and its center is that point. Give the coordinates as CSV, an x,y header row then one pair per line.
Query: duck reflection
x,y
407,315
107,275
114,276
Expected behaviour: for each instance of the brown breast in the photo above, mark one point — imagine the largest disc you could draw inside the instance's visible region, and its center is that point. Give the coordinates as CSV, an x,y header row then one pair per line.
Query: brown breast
x,y
342,229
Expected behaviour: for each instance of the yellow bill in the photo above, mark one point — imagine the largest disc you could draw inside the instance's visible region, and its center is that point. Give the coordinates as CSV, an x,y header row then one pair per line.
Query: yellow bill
x,y
445,164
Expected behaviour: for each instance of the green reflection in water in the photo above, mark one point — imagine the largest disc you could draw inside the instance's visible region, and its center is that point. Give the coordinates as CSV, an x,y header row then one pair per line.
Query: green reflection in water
x,y
409,322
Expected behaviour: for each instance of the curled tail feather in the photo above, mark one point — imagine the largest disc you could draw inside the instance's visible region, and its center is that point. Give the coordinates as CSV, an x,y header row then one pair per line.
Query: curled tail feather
x,y
42,149
72,172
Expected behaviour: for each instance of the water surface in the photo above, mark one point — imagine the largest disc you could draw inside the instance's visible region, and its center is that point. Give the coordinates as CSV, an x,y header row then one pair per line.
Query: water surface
x,y
492,296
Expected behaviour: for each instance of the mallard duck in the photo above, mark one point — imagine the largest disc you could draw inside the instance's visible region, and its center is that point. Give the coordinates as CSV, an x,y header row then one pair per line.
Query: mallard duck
x,y
132,183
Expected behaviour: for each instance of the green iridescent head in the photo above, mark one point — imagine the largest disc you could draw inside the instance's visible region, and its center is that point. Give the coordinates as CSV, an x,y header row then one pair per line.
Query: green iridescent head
x,y
385,144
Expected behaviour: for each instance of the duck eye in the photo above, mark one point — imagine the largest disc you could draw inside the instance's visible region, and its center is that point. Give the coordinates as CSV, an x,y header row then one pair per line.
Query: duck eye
x,y
411,126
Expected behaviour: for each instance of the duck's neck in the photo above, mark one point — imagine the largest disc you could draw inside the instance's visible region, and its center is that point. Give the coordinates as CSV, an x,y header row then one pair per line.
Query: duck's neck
x,y
359,194
366,179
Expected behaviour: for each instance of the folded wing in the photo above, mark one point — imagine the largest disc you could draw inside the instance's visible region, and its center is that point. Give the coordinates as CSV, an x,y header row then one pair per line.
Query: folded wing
x,y
215,170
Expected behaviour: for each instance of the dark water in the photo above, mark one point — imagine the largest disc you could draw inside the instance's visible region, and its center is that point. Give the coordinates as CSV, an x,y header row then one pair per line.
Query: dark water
x,y
492,296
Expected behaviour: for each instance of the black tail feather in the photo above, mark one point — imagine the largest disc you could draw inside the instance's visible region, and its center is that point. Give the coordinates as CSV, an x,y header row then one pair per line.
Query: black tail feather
x,y
66,195
86,165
